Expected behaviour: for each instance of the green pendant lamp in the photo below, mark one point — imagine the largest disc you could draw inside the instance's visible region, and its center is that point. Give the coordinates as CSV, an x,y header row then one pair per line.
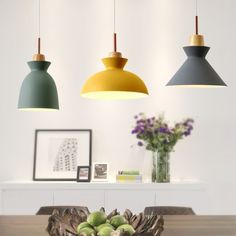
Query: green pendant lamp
x,y
114,82
196,70
38,91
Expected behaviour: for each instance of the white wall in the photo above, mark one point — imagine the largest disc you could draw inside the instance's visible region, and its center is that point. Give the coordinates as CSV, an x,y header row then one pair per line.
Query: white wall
x,y
75,35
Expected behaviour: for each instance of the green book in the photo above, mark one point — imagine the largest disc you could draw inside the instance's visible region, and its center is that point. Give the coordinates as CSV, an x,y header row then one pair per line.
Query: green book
x,y
129,172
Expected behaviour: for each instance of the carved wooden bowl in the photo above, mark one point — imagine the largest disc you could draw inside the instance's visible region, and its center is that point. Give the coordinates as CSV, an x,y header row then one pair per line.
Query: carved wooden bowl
x,y
66,223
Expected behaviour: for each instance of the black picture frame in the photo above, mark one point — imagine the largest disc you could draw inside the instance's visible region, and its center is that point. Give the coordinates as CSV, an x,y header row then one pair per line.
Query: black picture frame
x,y
78,174
58,131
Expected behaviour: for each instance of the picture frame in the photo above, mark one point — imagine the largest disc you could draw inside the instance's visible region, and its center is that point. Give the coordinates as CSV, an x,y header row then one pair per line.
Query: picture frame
x,y
58,152
100,172
83,174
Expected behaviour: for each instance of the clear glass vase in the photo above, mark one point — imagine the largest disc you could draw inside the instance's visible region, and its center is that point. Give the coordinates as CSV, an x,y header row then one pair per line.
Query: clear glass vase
x,y
160,167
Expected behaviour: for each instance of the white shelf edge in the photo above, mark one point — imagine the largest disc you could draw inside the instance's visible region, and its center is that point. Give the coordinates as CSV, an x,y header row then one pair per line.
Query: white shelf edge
x,y
27,185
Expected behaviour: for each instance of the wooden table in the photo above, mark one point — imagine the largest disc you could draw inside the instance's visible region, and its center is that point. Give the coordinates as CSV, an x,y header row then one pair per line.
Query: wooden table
x,y
174,226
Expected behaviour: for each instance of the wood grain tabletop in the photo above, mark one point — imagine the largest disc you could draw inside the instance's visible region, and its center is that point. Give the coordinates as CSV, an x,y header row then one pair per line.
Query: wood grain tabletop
x,y
174,226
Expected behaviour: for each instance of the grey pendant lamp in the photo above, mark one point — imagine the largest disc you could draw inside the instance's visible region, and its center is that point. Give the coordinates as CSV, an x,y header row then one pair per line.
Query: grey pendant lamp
x,y
196,70
38,91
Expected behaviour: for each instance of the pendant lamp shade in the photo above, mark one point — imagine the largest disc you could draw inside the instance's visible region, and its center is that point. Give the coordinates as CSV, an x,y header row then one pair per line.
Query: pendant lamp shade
x,y
114,82
196,70
38,90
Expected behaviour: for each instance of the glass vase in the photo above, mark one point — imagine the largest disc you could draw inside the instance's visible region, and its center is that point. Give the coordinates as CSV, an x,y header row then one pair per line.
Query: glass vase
x,y
160,167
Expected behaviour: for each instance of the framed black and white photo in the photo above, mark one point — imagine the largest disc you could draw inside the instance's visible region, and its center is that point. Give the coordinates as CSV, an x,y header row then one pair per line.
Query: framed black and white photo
x,y
100,171
83,174
58,153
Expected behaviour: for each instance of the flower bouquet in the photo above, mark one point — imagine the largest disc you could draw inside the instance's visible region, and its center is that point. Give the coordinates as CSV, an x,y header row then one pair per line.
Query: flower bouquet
x,y
156,135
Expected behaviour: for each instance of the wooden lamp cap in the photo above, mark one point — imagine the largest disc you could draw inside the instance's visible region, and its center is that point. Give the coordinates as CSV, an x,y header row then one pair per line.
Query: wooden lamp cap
x,y
115,54
38,57
196,40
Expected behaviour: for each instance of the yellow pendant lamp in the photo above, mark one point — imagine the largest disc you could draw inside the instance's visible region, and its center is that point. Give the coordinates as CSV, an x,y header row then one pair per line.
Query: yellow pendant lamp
x,y
114,82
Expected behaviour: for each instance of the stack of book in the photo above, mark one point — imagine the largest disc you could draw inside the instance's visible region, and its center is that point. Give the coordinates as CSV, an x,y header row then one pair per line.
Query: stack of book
x,y
128,176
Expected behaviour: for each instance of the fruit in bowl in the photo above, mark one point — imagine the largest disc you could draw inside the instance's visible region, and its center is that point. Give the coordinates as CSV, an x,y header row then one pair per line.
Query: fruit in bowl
x,y
105,231
98,224
73,222
88,231
126,228
97,218
118,220
83,225
98,228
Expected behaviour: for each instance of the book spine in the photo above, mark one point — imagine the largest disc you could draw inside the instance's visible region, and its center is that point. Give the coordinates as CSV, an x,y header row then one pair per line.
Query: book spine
x,y
129,172
129,178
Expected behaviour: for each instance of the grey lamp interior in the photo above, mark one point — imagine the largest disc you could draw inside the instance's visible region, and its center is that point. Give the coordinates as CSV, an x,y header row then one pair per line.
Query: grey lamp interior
x,y
196,70
38,90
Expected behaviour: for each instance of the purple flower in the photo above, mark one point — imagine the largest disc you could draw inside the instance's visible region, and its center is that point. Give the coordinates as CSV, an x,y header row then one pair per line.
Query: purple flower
x,y
134,131
140,121
140,143
187,133
140,128
155,133
190,127
190,121
141,131
164,130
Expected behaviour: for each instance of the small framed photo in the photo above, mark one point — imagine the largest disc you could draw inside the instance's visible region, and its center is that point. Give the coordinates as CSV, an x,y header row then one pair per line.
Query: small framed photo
x,y
100,172
57,153
83,174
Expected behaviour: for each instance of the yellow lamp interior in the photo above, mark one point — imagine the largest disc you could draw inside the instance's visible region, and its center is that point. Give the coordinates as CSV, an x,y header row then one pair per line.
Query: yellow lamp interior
x,y
113,95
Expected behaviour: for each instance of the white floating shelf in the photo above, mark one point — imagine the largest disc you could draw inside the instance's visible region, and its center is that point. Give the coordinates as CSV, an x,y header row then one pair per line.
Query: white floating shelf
x,y
100,185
